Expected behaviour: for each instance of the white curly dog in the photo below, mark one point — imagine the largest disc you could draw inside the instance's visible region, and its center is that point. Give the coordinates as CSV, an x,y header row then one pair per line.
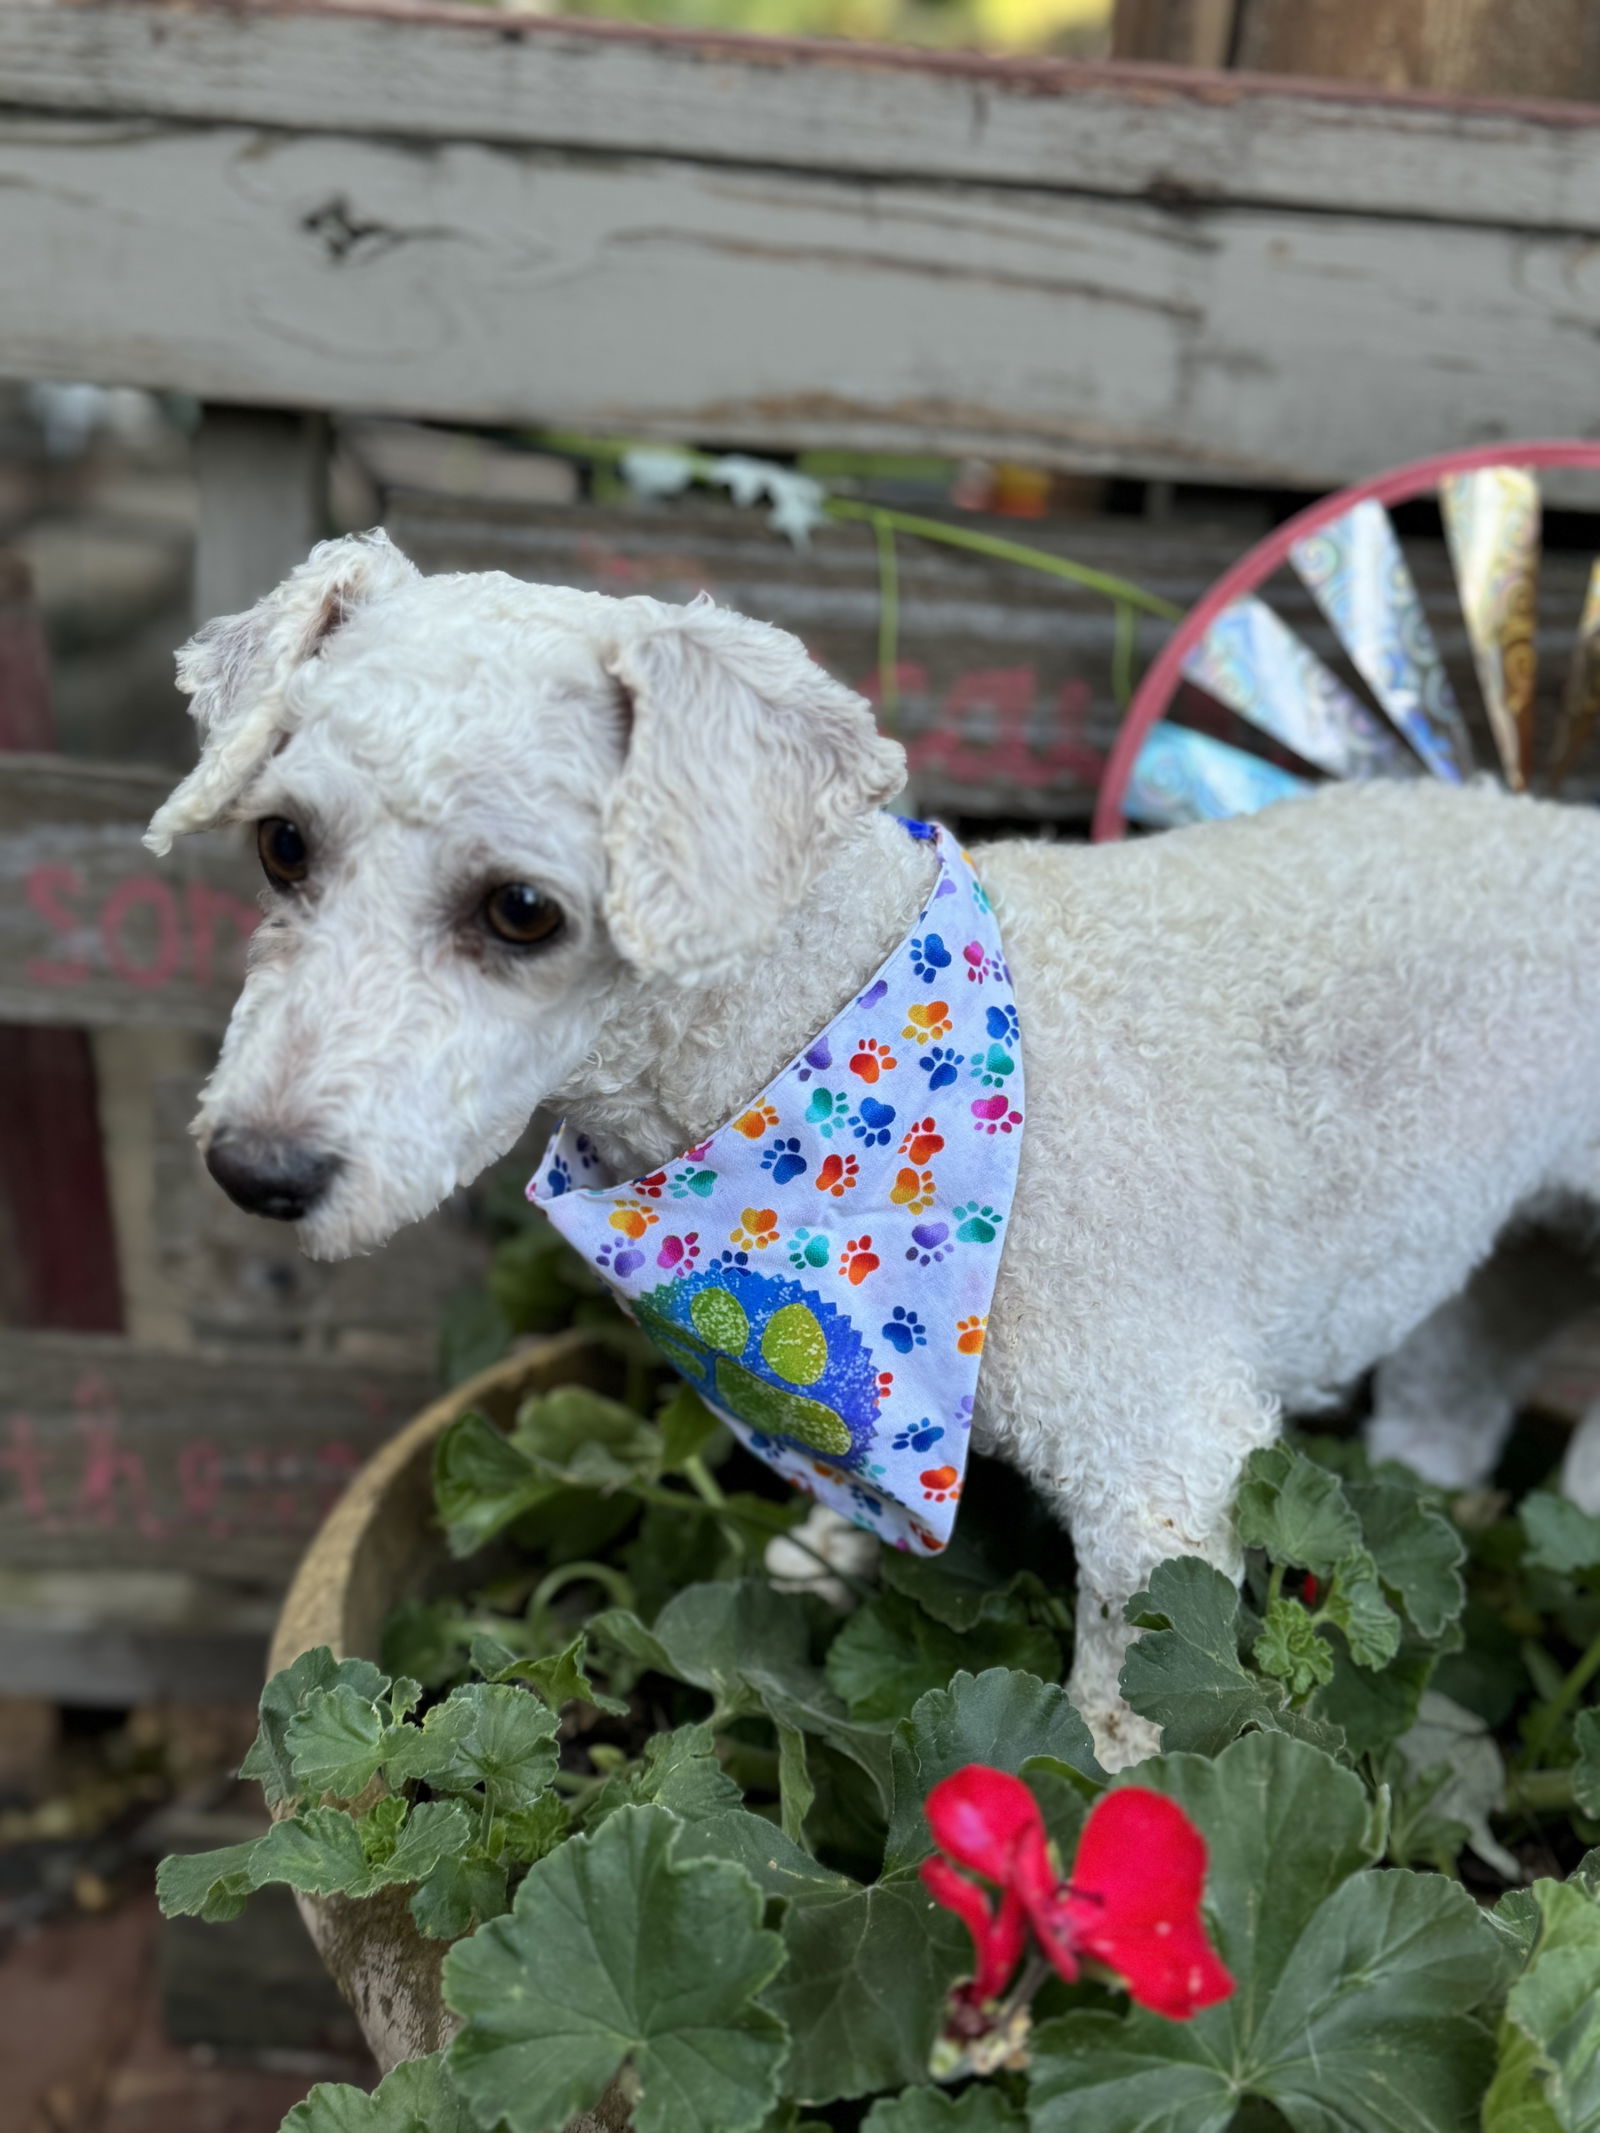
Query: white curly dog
x,y
1291,1079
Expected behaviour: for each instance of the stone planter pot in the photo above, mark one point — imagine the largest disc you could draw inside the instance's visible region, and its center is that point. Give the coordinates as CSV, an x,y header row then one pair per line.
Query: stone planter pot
x,y
378,1546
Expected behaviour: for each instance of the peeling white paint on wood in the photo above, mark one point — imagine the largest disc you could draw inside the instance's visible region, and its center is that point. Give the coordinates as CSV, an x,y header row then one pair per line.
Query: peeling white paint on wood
x,y
778,309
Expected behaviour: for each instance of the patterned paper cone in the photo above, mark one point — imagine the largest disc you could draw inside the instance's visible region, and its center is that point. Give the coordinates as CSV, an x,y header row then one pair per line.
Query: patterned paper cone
x,y
1580,703
1491,521
1255,664
1183,777
1357,571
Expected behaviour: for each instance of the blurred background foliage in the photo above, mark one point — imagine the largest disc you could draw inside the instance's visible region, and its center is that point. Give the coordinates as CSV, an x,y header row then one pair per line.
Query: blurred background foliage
x,y
1074,29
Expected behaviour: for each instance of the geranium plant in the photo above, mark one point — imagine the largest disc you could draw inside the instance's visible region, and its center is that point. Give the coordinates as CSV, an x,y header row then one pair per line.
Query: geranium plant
x,y
754,1849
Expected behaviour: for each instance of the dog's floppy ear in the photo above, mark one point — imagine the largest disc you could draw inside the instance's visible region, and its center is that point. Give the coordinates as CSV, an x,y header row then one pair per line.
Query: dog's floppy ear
x,y
745,764
237,670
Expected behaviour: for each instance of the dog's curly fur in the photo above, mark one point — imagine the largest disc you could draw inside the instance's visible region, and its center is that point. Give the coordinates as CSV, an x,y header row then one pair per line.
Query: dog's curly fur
x,y
1290,1079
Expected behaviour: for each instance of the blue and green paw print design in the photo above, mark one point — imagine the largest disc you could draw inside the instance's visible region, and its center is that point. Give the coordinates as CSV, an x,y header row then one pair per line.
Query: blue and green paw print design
x,y
788,1364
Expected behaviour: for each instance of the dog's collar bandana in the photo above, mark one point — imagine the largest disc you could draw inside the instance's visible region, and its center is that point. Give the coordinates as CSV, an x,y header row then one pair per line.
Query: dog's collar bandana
x,y
821,1268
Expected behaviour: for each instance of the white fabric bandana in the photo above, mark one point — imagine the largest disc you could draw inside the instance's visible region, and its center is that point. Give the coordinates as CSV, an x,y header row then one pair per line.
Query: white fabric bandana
x,y
821,1268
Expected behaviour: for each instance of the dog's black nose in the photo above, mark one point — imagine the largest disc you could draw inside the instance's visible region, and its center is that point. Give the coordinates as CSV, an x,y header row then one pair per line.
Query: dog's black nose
x,y
264,1175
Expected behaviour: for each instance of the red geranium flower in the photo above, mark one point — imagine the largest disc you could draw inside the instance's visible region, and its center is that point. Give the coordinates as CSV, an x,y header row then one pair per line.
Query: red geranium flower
x,y
1131,1901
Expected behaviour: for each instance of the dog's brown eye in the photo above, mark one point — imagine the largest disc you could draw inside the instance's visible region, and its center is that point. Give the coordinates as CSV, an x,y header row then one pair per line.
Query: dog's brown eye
x,y
283,851
521,915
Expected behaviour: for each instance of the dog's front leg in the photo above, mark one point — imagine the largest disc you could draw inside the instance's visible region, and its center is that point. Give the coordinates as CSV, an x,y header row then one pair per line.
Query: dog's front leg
x,y
1149,1504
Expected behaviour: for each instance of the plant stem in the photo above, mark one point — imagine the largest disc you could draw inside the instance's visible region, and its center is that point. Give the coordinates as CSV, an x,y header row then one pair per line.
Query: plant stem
x,y
1004,551
1547,1720
1122,650
1540,1792
888,622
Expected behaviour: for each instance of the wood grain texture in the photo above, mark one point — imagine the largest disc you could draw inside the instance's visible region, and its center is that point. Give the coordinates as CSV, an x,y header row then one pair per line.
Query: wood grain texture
x,y
93,930
127,1457
439,73
1474,47
418,215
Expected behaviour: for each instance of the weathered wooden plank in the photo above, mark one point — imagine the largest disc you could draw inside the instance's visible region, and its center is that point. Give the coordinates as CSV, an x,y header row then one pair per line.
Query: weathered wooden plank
x,y
494,285
131,1458
93,930
116,1638
262,478
1006,704
458,74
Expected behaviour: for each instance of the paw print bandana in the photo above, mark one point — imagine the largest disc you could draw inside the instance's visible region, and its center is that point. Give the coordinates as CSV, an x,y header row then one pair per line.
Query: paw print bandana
x,y
821,1268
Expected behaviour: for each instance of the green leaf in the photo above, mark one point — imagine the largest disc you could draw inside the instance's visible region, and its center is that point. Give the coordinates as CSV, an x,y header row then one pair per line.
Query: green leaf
x,y
1418,1552
1350,1985
1355,1602
505,1742
579,1436
559,1679
1372,1710
335,1742
1290,1650
681,1772
418,2097
525,1834
1296,1510
1184,1672
1474,1782
959,1588
482,1483
281,1701
618,1950
460,1893
889,1653
1548,2076
210,1885
998,1717
1559,1536
749,1648
319,1851
796,1790
983,2109
1586,1773
864,1988
687,1428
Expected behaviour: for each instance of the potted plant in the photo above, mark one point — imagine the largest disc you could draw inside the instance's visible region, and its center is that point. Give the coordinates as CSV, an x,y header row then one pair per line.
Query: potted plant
x,y
617,1788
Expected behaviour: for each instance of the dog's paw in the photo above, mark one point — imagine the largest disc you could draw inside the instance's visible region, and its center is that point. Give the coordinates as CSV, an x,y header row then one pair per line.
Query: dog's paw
x,y
858,1260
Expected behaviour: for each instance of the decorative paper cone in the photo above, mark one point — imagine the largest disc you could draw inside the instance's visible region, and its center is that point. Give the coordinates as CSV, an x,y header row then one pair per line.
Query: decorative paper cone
x,y
1255,664
1491,520
1357,572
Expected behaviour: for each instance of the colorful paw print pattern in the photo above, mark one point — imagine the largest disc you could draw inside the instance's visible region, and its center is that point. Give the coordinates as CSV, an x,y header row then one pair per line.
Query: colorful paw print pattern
x,y
821,1268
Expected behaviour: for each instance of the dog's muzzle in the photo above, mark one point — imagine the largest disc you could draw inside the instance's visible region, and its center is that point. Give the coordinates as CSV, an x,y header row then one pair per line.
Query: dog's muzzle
x,y
265,1175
